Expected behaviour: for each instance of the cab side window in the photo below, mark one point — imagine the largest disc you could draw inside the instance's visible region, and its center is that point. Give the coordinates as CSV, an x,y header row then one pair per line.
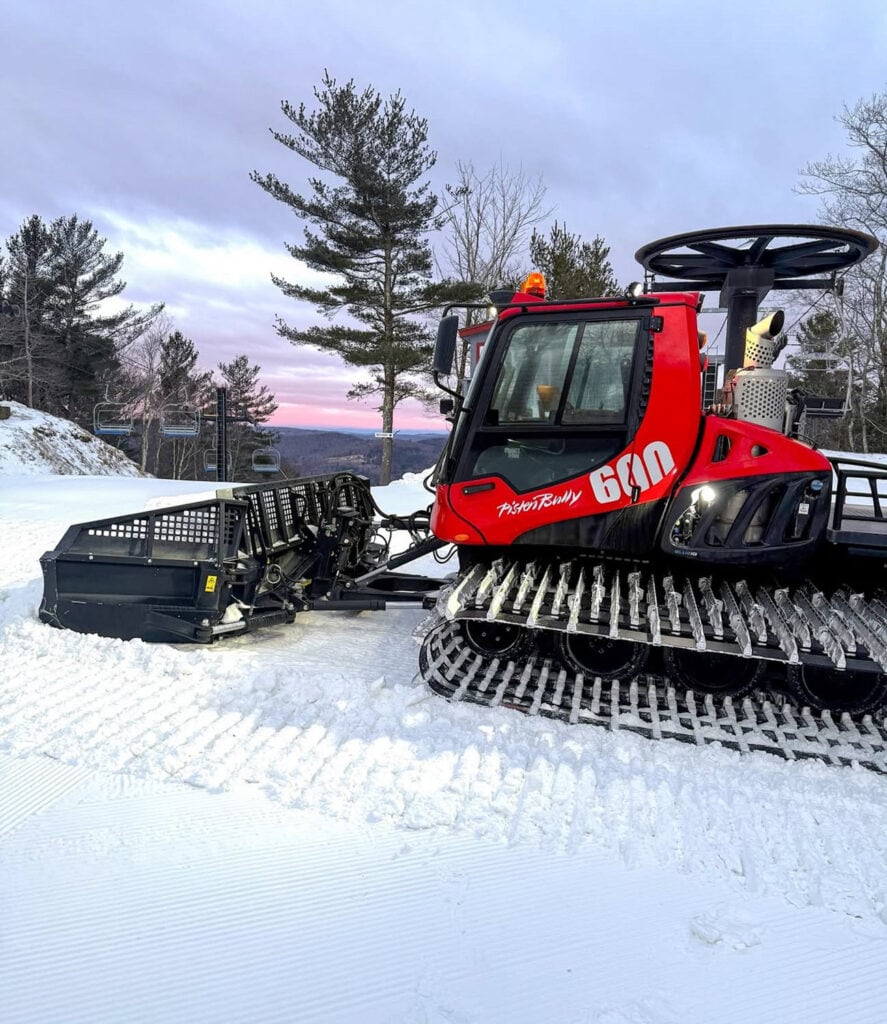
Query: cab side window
x,y
599,387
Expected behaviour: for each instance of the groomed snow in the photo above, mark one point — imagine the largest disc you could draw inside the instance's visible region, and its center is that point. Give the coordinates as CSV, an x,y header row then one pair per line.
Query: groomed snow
x,y
288,827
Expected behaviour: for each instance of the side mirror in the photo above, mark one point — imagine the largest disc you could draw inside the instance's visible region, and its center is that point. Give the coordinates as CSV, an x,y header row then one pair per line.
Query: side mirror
x,y
447,405
445,346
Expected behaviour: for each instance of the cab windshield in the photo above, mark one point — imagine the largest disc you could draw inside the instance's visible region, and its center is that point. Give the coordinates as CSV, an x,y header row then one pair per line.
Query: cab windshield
x,y
565,373
559,405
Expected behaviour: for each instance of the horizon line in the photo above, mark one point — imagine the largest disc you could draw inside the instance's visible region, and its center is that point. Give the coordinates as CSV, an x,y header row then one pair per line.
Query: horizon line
x,y
326,426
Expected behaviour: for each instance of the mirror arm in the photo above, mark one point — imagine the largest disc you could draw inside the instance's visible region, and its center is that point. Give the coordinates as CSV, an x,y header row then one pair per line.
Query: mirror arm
x,y
443,387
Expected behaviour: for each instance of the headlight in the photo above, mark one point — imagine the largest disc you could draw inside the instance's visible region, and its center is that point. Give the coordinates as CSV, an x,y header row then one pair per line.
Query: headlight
x,y
704,495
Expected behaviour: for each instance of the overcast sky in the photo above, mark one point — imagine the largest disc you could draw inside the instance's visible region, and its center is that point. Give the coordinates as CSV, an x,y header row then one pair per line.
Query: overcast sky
x,y
644,118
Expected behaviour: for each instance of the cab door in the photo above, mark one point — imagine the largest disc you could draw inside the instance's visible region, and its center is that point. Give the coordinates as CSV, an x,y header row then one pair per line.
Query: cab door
x,y
557,403
575,430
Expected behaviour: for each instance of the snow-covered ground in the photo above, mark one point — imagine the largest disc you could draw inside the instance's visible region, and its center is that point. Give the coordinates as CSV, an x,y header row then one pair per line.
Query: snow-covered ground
x,y
32,444
287,827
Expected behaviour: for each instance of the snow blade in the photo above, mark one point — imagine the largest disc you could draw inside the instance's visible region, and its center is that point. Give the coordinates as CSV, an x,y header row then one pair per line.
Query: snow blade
x,y
250,556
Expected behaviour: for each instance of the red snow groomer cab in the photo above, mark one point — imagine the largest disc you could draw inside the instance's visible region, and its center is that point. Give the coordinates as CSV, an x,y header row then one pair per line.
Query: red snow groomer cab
x,y
586,424
597,506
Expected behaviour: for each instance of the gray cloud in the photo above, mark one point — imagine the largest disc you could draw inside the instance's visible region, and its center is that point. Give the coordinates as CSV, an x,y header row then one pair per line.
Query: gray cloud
x,y
643,118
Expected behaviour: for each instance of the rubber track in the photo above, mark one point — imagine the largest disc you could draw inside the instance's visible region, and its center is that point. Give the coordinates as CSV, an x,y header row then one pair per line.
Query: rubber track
x,y
649,706
803,626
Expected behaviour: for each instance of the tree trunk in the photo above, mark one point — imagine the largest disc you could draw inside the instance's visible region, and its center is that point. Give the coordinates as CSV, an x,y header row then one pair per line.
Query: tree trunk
x,y
147,420
388,430
389,376
29,363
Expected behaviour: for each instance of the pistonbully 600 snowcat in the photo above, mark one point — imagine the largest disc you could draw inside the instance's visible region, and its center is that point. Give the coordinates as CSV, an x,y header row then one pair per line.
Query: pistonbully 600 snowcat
x,y
626,554
607,524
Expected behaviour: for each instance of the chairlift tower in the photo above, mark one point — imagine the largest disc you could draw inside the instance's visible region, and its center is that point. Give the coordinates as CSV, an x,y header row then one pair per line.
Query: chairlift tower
x,y
221,434
218,460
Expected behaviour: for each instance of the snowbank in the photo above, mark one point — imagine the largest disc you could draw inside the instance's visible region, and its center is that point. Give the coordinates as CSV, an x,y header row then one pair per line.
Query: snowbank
x,y
33,443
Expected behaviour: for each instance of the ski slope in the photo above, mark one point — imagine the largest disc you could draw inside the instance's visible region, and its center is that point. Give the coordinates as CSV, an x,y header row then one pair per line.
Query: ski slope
x,y
286,826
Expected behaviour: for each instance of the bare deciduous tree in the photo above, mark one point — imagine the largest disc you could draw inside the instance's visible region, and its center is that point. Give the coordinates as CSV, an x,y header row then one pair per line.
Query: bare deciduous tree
x,y
489,221
141,366
488,224
854,194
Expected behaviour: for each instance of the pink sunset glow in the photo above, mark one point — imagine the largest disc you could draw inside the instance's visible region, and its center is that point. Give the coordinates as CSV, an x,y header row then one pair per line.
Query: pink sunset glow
x,y
301,414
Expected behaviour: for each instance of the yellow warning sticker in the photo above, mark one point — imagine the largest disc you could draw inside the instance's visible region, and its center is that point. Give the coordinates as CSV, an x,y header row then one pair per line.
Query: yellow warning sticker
x,y
211,584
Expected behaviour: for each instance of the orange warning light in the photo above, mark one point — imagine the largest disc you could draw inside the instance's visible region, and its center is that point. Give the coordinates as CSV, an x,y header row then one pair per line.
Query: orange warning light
x,y
534,285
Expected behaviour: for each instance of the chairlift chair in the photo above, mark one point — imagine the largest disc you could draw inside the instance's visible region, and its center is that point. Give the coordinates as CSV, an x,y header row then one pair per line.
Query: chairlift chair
x,y
836,367
830,361
211,464
266,460
825,407
111,418
179,420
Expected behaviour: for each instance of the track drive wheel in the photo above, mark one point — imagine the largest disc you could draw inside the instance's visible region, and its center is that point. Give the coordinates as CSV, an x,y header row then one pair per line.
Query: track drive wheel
x,y
826,689
721,675
601,656
496,639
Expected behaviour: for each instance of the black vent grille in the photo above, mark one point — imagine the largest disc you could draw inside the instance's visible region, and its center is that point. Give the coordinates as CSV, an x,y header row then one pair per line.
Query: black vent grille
x,y
647,382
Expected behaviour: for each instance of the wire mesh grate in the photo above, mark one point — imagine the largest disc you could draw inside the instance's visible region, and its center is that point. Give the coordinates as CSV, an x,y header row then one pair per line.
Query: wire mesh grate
x,y
188,526
131,529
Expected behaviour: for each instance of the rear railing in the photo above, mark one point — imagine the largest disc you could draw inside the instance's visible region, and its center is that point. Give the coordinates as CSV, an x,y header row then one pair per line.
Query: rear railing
x,y
205,530
860,492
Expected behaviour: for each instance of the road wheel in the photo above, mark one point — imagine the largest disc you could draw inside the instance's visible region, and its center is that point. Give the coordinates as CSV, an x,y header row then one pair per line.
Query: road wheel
x,y
495,639
721,675
826,689
602,656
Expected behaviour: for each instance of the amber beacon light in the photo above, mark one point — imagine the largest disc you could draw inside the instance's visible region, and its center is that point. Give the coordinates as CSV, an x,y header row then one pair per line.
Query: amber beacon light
x,y
534,285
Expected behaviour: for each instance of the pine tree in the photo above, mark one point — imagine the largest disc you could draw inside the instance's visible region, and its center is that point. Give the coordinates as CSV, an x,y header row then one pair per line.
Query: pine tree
x,y
250,404
66,345
572,268
180,379
817,344
88,337
372,211
181,385
28,367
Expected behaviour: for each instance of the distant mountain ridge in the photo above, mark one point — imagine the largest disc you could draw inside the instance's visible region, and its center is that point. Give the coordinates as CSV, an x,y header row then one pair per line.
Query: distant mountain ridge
x,y
363,431
308,452
36,443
